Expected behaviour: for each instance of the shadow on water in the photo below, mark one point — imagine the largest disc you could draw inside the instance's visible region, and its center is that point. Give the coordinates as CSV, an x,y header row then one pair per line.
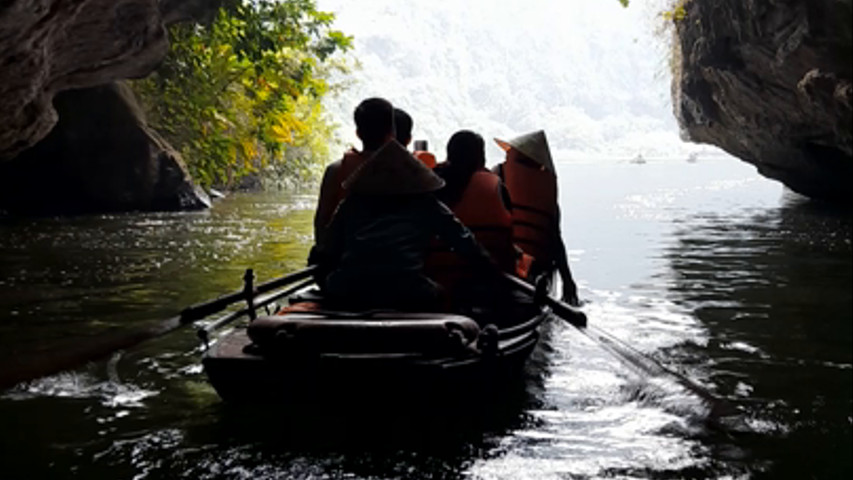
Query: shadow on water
x,y
223,441
773,291
128,422
266,442
149,412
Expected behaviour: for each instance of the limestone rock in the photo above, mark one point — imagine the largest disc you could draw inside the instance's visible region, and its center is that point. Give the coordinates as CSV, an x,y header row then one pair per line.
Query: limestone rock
x,y
47,46
100,157
769,81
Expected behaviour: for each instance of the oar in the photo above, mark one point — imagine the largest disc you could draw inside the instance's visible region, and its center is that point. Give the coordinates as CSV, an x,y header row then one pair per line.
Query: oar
x,y
41,364
620,349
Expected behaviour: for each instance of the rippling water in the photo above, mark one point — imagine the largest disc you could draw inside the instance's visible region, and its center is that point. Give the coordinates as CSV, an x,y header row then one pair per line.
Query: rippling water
x,y
706,267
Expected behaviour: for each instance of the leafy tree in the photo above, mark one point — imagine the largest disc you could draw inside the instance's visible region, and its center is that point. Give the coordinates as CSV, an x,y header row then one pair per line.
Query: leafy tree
x,y
242,95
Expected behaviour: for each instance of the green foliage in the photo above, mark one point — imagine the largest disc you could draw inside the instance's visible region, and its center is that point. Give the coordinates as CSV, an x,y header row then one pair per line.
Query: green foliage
x,y
243,95
676,13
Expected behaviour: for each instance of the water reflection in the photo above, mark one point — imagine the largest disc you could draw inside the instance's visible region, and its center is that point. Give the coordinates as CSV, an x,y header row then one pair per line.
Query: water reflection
x,y
80,276
711,277
149,412
772,288
177,436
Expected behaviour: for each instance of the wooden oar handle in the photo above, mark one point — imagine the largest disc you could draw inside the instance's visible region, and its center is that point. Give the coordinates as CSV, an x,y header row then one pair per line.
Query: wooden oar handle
x,y
562,309
569,313
201,310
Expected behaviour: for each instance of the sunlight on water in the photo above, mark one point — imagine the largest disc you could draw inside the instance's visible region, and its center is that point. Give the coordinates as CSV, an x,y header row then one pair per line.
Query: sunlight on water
x,y
703,267
81,386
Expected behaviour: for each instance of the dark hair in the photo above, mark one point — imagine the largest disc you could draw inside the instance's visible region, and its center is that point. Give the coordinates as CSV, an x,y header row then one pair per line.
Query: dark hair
x,y
402,126
374,121
466,153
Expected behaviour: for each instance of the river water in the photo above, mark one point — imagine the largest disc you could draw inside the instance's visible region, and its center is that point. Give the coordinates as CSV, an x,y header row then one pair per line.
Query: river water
x,y
704,266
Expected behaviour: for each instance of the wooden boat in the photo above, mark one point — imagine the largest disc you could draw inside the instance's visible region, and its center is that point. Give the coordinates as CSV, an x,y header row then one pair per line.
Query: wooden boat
x,y
385,356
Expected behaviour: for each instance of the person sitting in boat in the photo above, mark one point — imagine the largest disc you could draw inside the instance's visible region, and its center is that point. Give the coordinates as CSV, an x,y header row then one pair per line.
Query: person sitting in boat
x,y
376,243
531,179
422,153
403,125
374,123
479,200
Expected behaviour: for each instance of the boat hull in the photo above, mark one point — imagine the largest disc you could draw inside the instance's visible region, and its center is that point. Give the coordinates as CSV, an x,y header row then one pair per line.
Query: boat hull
x,y
241,374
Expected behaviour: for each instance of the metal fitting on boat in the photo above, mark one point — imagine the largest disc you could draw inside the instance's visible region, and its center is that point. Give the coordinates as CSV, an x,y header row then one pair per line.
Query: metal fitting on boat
x,y
543,284
487,342
204,336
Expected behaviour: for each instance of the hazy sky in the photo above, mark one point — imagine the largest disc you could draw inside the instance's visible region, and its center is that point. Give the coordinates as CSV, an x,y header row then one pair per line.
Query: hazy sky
x,y
594,75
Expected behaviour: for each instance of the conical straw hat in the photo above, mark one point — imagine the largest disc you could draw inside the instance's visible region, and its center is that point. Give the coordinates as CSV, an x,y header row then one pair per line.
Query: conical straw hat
x,y
533,145
392,170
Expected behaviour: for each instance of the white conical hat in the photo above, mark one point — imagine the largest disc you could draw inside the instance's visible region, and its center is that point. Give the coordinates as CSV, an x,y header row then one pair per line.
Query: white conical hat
x,y
533,145
392,170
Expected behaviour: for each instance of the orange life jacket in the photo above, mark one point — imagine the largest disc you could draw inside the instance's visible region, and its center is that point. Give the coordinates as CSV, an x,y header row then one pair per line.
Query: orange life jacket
x,y
427,157
300,307
523,265
533,191
482,210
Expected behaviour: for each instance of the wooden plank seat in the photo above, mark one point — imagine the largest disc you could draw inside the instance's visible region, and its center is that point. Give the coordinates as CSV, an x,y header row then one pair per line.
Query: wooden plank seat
x,y
365,332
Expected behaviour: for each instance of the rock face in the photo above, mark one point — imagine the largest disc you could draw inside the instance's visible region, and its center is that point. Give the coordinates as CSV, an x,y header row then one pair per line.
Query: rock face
x,y
47,46
769,81
101,156
88,162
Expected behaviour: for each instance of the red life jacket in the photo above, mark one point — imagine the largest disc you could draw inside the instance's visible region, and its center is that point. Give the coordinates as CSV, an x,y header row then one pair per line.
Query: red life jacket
x,y
482,210
533,191
427,157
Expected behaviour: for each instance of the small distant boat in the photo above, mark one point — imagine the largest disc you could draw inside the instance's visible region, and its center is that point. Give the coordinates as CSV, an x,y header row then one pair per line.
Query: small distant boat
x,y
693,157
638,159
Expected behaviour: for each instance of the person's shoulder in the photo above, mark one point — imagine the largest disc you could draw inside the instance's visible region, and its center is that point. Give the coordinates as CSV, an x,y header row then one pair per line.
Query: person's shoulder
x,y
485,172
330,170
352,152
337,163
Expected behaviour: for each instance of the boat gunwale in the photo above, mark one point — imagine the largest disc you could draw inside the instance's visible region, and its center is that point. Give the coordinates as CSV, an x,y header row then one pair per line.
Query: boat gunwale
x,y
504,345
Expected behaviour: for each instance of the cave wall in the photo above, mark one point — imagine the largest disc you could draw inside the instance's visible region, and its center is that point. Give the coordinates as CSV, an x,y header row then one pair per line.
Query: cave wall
x,y
769,81
47,46
101,156
72,140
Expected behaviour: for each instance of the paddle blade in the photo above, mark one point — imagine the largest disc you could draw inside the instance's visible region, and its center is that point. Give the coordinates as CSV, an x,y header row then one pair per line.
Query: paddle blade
x,y
22,368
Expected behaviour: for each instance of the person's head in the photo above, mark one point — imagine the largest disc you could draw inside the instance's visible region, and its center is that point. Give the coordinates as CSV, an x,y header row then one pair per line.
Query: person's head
x,y
374,122
403,127
466,150
466,153
530,148
515,155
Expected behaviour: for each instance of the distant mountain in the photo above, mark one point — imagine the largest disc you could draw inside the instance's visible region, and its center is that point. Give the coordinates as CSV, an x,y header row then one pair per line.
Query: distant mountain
x,y
591,73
